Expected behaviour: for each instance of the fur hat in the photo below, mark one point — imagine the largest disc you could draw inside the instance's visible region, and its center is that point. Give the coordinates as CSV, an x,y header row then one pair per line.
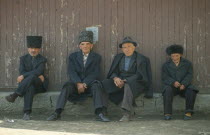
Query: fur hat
x,y
86,36
34,41
174,49
127,40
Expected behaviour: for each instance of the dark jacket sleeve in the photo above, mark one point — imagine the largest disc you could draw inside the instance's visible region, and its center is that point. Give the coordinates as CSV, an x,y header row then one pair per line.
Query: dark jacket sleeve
x,y
141,73
188,78
95,72
37,72
72,70
167,80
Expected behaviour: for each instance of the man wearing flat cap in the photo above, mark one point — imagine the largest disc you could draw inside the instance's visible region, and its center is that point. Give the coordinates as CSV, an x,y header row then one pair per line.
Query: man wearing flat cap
x,y
31,79
177,75
84,72
128,77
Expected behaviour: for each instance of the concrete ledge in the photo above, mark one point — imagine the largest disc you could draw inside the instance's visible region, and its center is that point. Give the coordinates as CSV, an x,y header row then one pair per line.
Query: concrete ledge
x,y
47,101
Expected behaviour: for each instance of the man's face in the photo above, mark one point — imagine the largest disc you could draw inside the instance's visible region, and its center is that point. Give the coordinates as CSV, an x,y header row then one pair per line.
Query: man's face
x,y
34,51
176,57
85,47
128,49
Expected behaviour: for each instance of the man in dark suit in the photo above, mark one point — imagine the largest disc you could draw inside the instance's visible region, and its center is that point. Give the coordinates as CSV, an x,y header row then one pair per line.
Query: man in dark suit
x,y
128,77
31,79
177,75
84,72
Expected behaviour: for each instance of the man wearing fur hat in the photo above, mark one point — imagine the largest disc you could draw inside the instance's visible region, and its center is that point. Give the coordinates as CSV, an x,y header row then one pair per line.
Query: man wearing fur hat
x,y
128,77
177,75
84,72
31,79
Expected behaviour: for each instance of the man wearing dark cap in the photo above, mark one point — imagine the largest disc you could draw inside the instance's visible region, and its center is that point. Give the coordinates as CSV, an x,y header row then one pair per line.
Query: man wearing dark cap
x,y
128,77
31,79
177,75
84,72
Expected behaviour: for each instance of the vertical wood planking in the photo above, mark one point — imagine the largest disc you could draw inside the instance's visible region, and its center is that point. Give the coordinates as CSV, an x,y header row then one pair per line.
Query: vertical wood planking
x,y
107,43
153,24
52,44
159,43
113,33
101,41
207,48
3,22
189,32
152,43
9,43
139,27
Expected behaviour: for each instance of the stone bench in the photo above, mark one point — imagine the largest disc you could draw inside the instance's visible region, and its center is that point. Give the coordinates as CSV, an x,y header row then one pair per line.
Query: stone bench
x,y
46,101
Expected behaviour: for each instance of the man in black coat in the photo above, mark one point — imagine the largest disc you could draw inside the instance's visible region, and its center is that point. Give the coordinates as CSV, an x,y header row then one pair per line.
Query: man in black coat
x,y
84,72
31,79
128,77
177,75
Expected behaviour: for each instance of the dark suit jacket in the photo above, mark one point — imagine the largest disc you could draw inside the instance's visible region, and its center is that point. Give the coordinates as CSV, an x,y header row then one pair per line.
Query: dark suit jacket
x,y
84,74
142,80
26,67
183,73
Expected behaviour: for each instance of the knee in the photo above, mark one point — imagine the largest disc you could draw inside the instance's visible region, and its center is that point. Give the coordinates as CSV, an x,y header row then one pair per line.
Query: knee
x,y
168,91
96,87
190,92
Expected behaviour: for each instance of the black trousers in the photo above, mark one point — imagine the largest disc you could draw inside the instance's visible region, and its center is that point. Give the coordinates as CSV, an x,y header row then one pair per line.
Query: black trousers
x,y
28,88
188,94
70,91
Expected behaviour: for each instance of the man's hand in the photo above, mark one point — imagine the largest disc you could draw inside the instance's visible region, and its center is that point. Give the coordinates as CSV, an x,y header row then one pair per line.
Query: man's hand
x,y
41,77
80,88
182,87
177,84
118,82
20,78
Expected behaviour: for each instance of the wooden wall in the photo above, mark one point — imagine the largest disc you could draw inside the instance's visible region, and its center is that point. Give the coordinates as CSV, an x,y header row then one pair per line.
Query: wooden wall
x,y
154,24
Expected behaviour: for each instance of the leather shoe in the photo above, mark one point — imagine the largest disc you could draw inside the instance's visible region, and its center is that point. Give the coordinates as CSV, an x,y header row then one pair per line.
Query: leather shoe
x,y
187,117
26,116
11,98
101,117
54,117
125,118
167,117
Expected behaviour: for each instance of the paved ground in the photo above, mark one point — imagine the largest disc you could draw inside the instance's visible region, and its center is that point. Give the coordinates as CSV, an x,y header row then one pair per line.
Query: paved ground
x,y
144,124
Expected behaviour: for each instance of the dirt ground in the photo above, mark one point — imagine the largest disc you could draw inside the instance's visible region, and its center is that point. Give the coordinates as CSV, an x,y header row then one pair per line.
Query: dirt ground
x,y
143,124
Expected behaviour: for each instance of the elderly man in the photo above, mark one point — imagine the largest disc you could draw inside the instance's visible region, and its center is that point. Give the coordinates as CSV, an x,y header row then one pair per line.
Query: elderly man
x,y
177,75
84,72
31,79
128,77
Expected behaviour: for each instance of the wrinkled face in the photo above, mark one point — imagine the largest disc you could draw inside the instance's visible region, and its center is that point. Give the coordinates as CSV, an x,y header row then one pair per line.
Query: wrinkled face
x,y
34,51
128,49
85,47
176,57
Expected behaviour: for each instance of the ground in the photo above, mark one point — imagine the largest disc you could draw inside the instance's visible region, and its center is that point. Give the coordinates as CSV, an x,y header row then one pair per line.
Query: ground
x,y
143,124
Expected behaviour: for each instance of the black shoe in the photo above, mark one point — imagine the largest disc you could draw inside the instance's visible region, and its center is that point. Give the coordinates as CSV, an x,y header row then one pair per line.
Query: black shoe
x,y
54,117
187,117
167,117
11,98
26,116
101,117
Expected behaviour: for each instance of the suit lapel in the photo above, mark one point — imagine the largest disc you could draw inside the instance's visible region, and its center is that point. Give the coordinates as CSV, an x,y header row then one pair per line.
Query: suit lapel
x,y
133,58
89,59
80,58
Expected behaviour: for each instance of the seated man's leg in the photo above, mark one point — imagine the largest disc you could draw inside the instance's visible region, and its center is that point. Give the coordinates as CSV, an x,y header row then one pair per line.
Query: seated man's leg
x,y
100,101
28,96
67,90
22,88
127,103
168,101
28,101
190,96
